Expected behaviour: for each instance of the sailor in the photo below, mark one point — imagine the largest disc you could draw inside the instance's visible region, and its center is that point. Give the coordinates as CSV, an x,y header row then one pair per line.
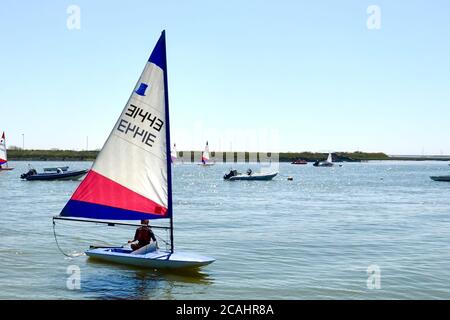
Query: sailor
x,y
143,236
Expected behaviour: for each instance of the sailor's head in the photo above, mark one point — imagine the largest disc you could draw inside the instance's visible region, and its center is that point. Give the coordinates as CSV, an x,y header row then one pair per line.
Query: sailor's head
x,y
145,222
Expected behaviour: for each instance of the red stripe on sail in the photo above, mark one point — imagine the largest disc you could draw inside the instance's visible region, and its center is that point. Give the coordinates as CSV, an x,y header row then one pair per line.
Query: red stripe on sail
x,y
99,189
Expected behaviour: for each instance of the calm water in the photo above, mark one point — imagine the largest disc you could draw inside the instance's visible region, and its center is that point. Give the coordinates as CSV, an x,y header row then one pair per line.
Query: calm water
x,y
310,238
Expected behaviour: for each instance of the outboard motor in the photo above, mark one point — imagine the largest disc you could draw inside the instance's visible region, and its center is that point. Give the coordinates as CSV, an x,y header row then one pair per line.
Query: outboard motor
x,y
232,173
30,172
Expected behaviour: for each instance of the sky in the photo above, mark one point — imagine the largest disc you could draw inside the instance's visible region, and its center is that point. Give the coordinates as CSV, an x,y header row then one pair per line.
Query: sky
x,y
245,75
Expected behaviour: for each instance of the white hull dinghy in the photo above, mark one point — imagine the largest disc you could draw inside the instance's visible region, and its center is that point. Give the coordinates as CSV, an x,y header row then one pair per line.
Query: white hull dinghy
x,y
153,260
142,189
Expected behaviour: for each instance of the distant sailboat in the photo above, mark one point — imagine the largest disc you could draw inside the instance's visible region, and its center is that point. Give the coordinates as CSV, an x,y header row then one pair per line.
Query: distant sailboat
x,y
205,157
3,154
174,154
326,163
131,178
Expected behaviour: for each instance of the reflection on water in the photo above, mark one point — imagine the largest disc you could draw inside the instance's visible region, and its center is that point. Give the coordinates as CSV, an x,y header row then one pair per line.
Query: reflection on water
x,y
138,283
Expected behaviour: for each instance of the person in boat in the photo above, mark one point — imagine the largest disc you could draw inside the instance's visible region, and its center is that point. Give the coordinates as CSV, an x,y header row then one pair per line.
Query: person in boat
x,y
249,172
143,236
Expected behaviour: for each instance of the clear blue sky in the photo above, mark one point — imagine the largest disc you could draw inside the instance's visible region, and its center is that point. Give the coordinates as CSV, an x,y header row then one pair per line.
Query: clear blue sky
x,y
306,75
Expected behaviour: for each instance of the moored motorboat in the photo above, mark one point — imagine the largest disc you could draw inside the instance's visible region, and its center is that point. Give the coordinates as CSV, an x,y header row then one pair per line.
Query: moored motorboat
x,y
33,175
440,178
299,161
234,175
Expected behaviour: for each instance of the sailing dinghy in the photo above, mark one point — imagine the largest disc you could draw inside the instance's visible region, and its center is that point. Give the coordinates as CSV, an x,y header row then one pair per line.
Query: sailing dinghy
x,y
3,154
205,157
326,163
131,177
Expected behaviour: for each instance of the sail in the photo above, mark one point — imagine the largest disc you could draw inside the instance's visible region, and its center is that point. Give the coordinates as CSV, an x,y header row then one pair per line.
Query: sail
x,y
330,158
3,156
205,154
131,177
174,154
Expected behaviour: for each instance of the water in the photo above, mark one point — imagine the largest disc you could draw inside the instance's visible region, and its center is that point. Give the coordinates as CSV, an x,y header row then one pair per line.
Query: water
x,y
310,238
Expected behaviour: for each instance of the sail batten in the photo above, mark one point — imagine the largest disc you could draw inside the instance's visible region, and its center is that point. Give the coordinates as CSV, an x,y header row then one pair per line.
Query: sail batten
x,y
130,180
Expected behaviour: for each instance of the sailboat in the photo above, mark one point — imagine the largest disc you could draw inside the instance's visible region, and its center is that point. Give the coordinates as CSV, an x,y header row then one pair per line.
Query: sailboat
x,y
131,179
174,154
326,163
3,154
205,157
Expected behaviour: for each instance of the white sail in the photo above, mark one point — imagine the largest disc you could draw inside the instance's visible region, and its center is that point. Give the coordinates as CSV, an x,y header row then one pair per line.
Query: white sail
x,y
174,153
205,154
330,158
129,179
3,155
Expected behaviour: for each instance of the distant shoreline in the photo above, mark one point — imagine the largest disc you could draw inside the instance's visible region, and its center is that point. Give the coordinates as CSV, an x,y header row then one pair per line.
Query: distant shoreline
x,y
72,155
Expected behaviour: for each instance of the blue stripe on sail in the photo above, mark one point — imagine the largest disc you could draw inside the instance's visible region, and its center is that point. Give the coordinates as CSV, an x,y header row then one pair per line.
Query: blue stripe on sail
x,y
83,209
158,55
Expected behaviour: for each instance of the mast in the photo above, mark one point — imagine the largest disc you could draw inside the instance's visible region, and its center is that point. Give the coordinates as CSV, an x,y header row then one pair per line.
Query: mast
x,y
168,155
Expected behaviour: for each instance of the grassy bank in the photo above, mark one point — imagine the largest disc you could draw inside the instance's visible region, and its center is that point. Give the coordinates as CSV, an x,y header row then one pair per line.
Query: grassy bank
x,y
71,155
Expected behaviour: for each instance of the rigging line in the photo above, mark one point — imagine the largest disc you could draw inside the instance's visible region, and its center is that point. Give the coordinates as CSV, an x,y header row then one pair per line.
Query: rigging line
x,y
57,243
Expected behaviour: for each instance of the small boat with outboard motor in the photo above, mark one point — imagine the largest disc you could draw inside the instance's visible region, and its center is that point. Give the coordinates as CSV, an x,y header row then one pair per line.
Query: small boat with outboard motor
x,y
234,175
58,174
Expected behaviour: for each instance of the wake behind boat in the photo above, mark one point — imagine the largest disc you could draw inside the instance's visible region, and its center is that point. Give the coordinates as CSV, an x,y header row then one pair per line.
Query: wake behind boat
x,y
234,175
131,179
51,175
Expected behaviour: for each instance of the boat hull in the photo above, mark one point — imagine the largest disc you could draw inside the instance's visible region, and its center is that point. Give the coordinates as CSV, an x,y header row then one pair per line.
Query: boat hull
x,y
6,169
152,260
69,175
441,178
254,177
324,164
